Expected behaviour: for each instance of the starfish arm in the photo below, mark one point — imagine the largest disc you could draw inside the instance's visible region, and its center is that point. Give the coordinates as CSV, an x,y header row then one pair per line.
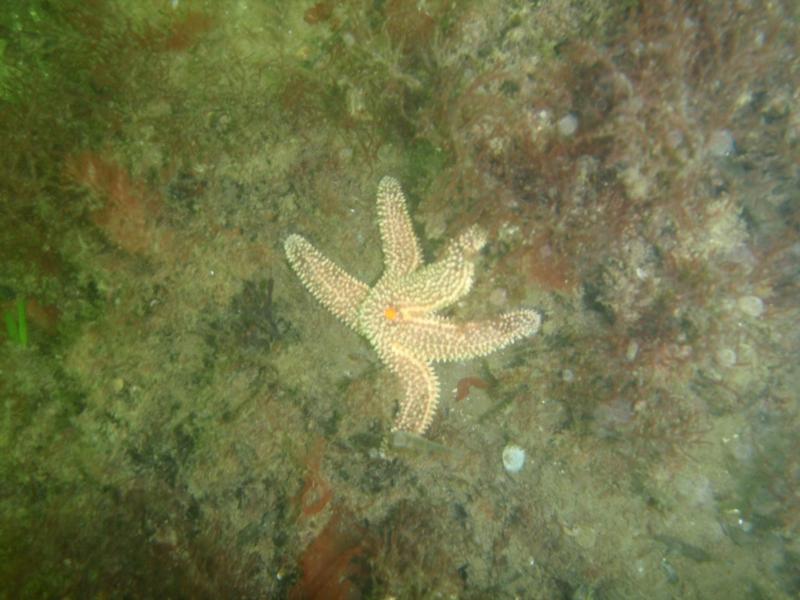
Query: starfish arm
x,y
400,247
444,282
438,339
335,289
420,389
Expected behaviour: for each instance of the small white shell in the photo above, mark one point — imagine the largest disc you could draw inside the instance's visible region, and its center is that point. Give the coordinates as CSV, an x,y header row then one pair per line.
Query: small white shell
x,y
513,458
751,305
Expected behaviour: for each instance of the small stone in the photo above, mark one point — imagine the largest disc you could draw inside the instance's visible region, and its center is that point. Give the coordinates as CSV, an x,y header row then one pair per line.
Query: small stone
x,y
631,351
726,357
513,458
721,143
751,305
568,125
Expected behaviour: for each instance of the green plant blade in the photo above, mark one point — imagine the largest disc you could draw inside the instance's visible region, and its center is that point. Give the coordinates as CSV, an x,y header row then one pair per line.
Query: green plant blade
x,y
22,323
11,326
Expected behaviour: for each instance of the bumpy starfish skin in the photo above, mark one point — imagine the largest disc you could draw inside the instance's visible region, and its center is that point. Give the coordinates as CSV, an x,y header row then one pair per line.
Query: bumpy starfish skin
x,y
398,314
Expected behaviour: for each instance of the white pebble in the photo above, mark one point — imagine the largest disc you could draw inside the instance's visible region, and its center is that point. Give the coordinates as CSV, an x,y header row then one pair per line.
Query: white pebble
x,y
631,351
751,305
567,125
721,143
513,458
726,357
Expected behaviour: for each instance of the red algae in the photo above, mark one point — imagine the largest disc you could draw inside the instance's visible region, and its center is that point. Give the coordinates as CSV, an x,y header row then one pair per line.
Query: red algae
x,y
466,384
332,563
130,210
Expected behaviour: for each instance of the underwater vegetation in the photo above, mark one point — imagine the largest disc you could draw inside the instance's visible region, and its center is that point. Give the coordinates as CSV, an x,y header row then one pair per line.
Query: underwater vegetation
x,y
17,324
185,422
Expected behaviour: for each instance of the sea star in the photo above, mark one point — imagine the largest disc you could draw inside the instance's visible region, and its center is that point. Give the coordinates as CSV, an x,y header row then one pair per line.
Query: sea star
x,y
398,314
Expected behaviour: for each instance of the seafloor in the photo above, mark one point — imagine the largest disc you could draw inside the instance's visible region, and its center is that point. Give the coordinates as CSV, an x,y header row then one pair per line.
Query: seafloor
x,y
179,418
